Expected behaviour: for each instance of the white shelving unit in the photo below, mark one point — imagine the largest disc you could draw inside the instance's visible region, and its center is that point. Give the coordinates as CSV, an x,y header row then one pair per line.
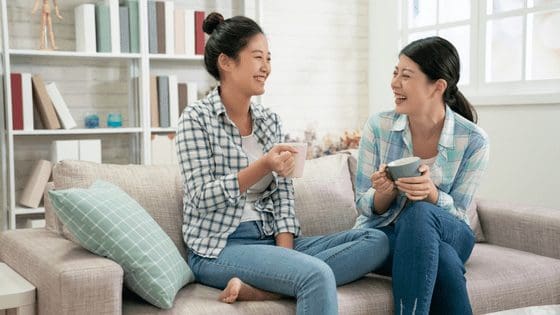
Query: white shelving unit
x,y
22,148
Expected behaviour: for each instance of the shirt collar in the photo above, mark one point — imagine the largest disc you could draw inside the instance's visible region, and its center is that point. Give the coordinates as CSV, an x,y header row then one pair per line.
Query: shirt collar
x,y
216,101
447,133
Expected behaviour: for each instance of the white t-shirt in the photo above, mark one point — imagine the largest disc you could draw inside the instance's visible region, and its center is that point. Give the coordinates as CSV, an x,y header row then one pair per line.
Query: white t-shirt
x,y
429,162
254,151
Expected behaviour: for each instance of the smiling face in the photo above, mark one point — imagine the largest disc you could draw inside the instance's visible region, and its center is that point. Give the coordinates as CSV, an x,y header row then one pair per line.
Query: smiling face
x,y
251,69
412,89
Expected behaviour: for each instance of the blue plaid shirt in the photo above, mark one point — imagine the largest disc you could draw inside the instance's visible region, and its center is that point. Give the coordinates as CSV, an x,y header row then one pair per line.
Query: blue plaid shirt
x,y
210,156
461,160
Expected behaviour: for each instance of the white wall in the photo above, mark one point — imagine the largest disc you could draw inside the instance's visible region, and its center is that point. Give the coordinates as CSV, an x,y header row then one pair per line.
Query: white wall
x,y
319,63
525,139
524,154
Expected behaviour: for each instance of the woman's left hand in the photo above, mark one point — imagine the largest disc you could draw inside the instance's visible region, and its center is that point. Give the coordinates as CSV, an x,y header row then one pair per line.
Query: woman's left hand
x,y
420,187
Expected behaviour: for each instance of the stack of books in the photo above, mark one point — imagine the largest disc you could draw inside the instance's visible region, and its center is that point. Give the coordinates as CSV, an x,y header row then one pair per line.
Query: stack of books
x,y
30,91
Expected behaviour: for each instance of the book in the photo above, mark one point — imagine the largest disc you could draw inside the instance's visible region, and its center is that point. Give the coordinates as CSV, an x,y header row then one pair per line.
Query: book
x,y
189,32
90,150
152,28
163,100
134,24
179,19
163,149
154,104
17,101
160,22
43,103
173,101
86,38
65,150
27,97
182,97
199,33
60,107
36,183
169,28
103,28
124,29
114,25
34,223
83,150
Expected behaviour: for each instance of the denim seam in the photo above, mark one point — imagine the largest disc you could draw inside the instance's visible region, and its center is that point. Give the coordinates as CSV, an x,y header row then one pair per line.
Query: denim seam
x,y
355,242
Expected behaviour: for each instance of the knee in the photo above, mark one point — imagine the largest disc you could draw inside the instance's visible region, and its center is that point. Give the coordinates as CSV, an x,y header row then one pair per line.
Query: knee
x,y
319,275
418,213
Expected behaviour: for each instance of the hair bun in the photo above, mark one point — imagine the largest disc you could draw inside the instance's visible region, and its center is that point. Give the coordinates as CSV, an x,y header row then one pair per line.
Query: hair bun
x,y
211,22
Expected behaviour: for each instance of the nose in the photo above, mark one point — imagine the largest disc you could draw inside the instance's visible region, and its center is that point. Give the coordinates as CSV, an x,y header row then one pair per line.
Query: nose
x,y
265,67
395,82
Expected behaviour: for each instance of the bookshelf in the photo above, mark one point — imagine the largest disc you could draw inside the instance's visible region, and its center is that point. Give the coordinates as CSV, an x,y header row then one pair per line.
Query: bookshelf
x,y
89,82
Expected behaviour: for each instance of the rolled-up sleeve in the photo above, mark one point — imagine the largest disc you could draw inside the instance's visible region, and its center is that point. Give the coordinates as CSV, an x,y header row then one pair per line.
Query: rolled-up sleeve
x,y
203,190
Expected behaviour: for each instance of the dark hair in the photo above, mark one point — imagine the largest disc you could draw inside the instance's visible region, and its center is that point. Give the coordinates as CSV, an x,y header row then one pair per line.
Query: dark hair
x,y
439,59
226,36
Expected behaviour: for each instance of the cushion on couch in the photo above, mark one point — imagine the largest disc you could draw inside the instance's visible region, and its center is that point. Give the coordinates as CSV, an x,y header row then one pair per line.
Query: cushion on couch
x,y
324,199
158,189
109,223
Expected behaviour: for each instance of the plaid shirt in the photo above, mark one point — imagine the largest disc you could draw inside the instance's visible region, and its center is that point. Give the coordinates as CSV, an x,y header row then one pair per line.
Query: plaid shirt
x,y
210,156
461,160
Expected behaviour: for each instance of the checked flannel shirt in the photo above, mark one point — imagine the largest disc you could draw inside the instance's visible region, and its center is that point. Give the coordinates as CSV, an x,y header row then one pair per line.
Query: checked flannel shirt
x,y
210,156
462,157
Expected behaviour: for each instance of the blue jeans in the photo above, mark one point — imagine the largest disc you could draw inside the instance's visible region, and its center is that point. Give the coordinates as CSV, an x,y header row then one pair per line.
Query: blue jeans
x,y
428,250
310,272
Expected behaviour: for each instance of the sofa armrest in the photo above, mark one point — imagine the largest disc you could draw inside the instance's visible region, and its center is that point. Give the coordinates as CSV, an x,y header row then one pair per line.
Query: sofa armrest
x,y
68,278
528,228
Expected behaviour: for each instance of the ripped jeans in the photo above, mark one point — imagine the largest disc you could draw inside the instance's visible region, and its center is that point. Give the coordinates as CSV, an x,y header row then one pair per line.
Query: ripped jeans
x,y
428,250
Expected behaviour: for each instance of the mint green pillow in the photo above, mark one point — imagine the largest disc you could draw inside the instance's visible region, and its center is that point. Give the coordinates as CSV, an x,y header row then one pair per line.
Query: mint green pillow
x,y
108,222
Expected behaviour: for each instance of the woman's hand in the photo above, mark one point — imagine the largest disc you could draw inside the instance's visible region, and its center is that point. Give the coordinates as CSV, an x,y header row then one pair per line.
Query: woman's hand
x,y
420,187
381,182
280,159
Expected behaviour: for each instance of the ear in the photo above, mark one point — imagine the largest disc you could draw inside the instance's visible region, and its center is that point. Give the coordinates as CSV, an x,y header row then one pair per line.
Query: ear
x,y
440,86
224,63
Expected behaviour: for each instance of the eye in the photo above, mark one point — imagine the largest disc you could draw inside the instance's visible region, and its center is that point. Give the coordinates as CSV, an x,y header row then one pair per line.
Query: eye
x,y
394,73
258,57
406,76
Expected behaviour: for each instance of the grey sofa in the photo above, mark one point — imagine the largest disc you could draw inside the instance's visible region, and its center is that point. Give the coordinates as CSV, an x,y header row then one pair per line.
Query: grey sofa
x,y
517,264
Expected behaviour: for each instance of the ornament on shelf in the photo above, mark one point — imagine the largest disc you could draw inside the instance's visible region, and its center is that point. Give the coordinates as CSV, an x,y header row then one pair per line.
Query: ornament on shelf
x,y
46,22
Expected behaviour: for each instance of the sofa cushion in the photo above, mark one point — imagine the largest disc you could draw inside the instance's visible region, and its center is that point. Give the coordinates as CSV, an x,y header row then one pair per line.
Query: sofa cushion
x,y
500,278
324,199
369,295
108,222
158,189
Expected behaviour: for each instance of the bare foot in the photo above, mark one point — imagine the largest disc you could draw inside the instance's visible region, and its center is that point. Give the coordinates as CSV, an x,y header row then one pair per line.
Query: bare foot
x,y
237,290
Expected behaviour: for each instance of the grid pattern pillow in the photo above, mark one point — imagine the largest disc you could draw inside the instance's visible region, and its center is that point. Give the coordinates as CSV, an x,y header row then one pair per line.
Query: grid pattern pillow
x,y
109,223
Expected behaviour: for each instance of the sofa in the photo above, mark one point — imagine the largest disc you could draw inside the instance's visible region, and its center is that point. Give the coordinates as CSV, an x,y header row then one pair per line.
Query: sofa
x,y
516,262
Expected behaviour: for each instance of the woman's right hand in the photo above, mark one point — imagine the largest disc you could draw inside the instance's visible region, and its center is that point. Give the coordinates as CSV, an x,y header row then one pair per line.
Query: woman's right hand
x,y
280,159
381,182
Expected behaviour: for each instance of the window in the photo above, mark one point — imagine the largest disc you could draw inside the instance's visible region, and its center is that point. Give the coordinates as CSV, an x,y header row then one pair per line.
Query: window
x,y
506,46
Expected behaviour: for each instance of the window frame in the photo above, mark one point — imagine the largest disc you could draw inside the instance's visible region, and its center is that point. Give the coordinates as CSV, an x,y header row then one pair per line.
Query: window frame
x,y
478,91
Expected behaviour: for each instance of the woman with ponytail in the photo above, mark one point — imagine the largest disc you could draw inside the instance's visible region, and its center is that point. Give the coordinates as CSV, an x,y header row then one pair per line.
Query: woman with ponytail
x,y
424,217
239,222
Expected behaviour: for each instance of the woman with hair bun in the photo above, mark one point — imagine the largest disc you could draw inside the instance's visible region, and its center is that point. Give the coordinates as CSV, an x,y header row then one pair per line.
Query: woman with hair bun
x,y
239,221
425,216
